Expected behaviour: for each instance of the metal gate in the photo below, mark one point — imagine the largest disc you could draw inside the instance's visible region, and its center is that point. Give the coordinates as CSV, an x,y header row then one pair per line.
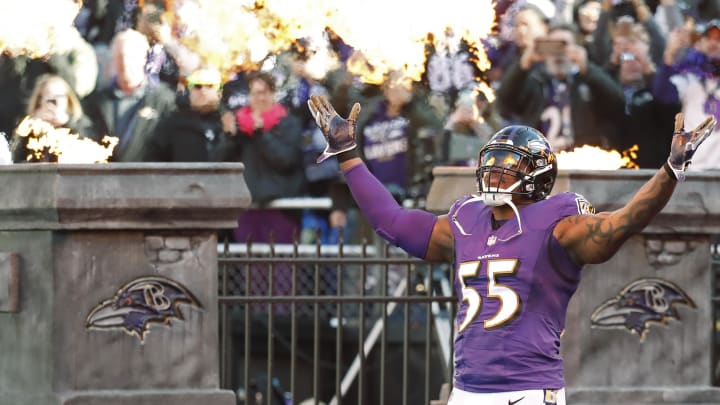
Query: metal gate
x,y
333,324
715,351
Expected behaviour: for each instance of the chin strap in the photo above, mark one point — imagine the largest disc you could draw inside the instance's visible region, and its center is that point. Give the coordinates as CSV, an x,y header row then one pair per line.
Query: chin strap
x,y
494,199
482,197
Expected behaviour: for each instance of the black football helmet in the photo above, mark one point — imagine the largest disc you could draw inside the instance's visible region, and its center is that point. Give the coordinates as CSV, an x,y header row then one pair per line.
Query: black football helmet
x,y
522,153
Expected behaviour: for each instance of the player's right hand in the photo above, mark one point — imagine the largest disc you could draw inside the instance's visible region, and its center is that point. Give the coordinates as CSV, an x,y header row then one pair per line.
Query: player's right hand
x,y
339,133
685,143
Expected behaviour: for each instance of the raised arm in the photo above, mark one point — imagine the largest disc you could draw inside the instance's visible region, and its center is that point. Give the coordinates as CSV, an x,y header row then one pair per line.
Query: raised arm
x,y
418,232
596,238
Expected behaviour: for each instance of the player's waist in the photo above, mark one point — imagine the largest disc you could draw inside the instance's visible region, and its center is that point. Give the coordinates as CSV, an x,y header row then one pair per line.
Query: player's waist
x,y
488,362
520,397
493,371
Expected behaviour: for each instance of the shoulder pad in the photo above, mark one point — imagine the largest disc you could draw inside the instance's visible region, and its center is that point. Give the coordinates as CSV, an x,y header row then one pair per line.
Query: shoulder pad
x,y
458,203
569,203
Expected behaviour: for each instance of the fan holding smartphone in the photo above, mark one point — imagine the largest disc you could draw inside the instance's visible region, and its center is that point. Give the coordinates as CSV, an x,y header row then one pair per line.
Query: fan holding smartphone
x,y
556,89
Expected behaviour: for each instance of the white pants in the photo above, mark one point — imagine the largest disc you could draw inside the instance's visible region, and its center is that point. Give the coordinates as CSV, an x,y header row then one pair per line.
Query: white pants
x,y
529,397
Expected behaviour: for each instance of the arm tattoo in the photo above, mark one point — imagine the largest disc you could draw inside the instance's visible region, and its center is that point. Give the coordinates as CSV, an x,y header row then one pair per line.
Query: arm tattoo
x,y
608,231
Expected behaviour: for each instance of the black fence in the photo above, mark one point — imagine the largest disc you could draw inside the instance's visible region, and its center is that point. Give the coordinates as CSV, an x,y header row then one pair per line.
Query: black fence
x,y
333,324
715,256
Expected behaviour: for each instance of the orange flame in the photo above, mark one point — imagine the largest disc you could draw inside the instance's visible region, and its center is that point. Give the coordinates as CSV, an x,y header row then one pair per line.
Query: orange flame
x,y
37,28
391,35
44,139
235,35
589,157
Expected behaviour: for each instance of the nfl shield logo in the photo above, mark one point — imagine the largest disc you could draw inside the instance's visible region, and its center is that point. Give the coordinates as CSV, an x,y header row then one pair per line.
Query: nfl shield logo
x,y
491,240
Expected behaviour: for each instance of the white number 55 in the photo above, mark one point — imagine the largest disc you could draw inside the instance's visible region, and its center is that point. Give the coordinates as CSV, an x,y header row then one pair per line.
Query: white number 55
x,y
509,300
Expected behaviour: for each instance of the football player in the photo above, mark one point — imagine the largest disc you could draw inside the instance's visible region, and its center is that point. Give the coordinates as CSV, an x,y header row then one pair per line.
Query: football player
x,y
517,251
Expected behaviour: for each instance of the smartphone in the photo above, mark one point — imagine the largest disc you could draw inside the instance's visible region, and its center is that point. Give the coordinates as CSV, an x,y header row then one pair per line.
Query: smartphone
x,y
550,46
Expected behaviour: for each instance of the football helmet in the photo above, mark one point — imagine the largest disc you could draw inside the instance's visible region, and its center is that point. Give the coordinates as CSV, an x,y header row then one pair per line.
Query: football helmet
x,y
516,160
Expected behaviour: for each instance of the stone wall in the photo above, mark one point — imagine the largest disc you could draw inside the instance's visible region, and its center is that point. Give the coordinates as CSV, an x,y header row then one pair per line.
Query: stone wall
x,y
118,279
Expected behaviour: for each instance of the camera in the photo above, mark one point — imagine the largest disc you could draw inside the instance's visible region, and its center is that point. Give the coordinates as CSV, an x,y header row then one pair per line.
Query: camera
x,y
627,56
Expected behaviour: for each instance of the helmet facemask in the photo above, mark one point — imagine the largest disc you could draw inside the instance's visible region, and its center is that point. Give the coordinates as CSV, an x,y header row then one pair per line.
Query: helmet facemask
x,y
503,173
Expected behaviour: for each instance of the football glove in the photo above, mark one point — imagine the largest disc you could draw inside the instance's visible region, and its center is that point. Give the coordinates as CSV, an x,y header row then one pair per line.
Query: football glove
x,y
685,143
339,133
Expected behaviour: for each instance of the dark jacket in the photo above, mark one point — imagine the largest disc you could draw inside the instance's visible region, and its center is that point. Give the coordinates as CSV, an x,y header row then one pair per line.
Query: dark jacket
x,y
273,160
157,103
649,124
648,121
186,136
596,101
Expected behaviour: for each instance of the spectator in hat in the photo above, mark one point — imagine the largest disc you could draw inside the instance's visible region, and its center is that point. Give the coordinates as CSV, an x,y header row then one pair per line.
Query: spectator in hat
x,y
195,132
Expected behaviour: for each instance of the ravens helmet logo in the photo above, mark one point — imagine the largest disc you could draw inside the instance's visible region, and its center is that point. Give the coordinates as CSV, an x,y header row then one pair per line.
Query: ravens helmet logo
x,y
140,302
644,301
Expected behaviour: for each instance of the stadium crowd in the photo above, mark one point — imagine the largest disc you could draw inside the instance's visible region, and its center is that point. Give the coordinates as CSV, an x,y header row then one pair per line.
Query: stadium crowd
x,y
606,73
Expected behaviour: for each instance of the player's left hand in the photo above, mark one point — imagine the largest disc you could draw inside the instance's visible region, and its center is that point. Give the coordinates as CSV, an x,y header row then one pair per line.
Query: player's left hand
x,y
685,143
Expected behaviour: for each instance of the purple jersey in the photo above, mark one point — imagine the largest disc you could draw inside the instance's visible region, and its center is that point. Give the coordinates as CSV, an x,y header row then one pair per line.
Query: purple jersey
x,y
514,296
385,144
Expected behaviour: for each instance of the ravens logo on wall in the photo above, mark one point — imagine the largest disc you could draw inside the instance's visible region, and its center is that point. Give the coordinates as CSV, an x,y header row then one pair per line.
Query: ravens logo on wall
x,y
142,301
640,303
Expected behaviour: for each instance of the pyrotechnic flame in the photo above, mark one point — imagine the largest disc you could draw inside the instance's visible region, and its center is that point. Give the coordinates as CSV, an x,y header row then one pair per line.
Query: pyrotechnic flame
x,y
239,34
589,157
391,34
321,62
44,139
36,28
485,89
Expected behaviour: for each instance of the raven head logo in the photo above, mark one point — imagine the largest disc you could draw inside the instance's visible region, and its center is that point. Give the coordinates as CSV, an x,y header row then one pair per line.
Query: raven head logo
x,y
140,302
640,303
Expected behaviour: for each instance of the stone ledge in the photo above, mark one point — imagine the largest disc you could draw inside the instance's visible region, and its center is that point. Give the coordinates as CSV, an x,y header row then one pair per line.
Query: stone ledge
x,y
660,396
161,397
122,196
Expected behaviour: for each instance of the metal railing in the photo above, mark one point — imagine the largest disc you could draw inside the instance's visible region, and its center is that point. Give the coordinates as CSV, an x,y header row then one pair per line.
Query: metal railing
x,y
715,268
333,324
